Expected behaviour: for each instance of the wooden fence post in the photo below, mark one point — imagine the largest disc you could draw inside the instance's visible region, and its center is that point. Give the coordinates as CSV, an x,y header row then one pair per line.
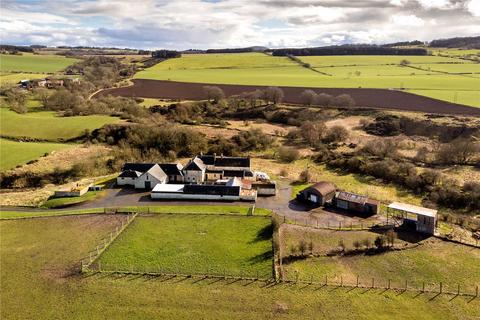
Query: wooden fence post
x,y
406,284
458,289
341,281
476,291
423,287
373,283
357,280
326,280
389,284
441,287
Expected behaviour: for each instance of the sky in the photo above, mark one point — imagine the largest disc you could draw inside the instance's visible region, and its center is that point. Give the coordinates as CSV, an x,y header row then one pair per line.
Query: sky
x,y
202,24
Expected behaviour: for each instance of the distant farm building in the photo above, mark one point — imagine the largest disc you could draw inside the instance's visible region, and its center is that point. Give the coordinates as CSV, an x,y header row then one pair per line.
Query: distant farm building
x,y
424,219
319,194
355,202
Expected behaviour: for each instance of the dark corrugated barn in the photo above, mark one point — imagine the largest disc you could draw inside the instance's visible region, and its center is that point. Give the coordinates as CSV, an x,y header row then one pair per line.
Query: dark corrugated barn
x,y
320,193
355,202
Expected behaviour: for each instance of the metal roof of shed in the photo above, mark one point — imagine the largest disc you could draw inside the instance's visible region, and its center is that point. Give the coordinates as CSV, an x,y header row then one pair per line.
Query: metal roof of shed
x,y
413,209
168,188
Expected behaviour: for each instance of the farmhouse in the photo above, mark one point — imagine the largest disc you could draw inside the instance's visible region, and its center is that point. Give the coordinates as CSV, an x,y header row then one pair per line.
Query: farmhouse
x,y
142,175
206,168
319,194
424,219
355,202
206,177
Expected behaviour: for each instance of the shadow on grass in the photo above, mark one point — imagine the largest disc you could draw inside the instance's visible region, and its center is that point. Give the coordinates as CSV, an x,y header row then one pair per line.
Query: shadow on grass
x,y
264,234
262,257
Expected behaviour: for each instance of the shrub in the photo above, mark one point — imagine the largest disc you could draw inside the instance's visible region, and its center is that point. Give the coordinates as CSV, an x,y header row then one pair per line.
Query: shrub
x,y
287,154
336,133
343,100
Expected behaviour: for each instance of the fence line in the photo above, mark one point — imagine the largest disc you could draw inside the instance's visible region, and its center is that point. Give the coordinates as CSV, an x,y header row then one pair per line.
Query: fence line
x,y
338,227
364,226
106,242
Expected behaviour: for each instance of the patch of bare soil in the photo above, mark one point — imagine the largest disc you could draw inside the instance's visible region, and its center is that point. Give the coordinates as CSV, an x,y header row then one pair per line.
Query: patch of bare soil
x,y
370,98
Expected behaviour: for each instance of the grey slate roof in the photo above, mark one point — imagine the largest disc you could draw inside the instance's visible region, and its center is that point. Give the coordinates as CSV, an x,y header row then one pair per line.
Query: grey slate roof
x,y
140,167
221,161
130,174
171,168
196,164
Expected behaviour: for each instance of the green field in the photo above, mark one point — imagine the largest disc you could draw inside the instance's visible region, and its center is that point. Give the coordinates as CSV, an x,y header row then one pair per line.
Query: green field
x,y
28,62
14,78
194,244
13,153
333,71
39,263
433,263
47,126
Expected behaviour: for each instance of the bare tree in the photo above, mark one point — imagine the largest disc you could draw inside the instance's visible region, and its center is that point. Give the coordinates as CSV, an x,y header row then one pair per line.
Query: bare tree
x,y
343,100
16,100
459,151
308,97
312,132
213,93
273,94
323,99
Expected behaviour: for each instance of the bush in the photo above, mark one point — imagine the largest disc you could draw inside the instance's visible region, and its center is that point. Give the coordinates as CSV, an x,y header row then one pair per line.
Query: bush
x,y
287,154
336,133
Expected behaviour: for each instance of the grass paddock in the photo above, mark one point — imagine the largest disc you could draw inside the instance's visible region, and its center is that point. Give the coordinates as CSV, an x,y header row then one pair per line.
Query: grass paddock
x,y
201,244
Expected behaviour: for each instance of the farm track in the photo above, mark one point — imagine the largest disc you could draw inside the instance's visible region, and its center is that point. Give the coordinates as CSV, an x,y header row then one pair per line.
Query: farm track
x,y
364,97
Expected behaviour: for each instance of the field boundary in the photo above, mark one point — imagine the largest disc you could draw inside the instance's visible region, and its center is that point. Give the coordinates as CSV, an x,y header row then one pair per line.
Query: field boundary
x,y
100,248
34,214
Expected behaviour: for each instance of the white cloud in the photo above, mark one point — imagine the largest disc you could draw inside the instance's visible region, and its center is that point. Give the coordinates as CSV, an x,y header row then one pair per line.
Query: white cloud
x,y
187,24
398,3
473,6
436,4
407,20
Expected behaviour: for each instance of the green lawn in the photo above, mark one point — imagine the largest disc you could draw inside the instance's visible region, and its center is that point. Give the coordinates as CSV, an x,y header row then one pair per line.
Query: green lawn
x,y
297,187
340,71
431,262
201,244
13,153
68,201
46,125
39,263
28,62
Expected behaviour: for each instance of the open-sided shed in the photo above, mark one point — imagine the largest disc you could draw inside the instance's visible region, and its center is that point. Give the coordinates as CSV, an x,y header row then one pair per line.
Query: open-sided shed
x,y
425,218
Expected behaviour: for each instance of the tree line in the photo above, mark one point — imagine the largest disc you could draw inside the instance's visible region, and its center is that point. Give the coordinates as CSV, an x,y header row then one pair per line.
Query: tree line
x,y
350,50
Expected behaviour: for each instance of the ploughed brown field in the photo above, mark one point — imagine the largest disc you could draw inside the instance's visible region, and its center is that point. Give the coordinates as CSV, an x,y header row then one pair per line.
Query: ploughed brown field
x,y
371,98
